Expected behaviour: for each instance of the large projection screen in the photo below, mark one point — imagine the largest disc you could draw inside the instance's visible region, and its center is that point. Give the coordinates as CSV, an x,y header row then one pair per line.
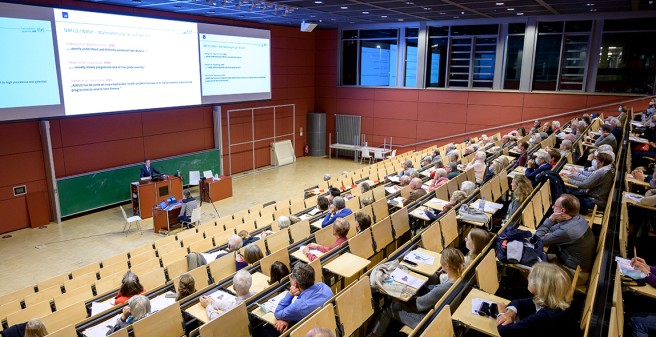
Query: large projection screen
x,y
28,64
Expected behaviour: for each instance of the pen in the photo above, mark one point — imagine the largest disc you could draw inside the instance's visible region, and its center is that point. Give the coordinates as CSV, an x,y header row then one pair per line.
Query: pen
x,y
634,252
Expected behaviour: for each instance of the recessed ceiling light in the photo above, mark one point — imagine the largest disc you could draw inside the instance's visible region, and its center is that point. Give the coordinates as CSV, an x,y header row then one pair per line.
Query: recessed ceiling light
x,y
442,13
455,17
333,19
593,9
463,13
313,16
520,13
318,2
383,16
365,12
589,5
499,3
409,3
510,9
400,20
344,7
427,8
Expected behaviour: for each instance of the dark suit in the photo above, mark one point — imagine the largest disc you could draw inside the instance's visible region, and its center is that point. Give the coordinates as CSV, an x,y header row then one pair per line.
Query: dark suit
x,y
543,323
146,172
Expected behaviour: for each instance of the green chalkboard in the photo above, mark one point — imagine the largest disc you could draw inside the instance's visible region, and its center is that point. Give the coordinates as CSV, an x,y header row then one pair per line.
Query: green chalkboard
x,y
89,191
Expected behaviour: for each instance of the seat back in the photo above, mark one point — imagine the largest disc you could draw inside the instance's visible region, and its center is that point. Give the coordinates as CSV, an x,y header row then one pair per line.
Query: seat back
x,y
431,238
381,210
486,273
153,279
195,215
125,216
69,331
166,322
325,236
400,222
362,244
223,267
354,305
324,318
449,227
37,310
278,240
201,279
73,296
300,230
63,317
281,255
233,323
382,233
441,325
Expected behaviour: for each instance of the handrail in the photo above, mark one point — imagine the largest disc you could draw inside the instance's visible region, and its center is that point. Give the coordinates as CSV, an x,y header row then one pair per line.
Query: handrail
x,y
520,123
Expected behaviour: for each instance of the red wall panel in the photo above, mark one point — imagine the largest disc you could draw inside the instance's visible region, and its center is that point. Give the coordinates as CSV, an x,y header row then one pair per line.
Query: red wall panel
x,y
97,129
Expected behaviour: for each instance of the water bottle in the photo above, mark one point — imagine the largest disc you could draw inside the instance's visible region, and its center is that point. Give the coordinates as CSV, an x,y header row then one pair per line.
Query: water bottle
x,y
481,204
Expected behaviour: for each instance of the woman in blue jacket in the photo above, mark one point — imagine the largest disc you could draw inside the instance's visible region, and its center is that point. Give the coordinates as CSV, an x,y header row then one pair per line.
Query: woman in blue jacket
x,y
547,313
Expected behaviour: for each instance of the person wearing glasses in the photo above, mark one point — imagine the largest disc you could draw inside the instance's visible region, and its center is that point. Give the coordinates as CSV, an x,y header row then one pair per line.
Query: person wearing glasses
x,y
570,240
593,189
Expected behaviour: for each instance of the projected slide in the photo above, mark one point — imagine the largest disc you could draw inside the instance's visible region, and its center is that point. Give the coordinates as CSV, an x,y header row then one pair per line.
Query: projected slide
x,y
28,74
234,65
116,63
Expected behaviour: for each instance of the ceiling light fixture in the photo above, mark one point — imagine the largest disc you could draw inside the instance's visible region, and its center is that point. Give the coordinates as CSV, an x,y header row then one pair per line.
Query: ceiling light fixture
x,y
344,7
499,3
427,8
463,13
400,20
520,13
510,9
383,16
318,2
593,9
409,3
365,12
590,4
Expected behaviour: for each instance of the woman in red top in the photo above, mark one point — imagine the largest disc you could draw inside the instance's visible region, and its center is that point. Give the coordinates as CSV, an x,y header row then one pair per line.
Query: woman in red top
x,y
130,286
340,229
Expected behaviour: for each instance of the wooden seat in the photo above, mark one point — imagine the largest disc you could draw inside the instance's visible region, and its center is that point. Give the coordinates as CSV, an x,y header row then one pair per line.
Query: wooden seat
x,y
528,218
381,210
114,268
146,266
143,257
259,243
82,280
442,192
166,322
73,296
353,203
486,273
19,294
43,295
69,331
379,193
63,317
153,279
37,310
141,250
495,183
449,227
9,307
201,246
452,186
55,281
362,244
201,279
441,325
325,236
173,256
400,222
382,233
189,240
164,241
233,323
351,220
486,191
300,231
171,247
107,284
91,268
223,267
176,268
354,305
431,239
575,279
114,259
248,226
324,318
281,255
318,272
297,206
278,240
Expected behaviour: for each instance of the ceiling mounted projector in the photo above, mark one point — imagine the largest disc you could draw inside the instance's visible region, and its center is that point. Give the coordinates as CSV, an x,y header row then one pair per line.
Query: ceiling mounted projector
x,y
307,26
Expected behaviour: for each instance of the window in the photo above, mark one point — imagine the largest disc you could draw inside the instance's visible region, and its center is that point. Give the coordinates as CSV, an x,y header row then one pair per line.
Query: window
x,y
514,52
561,55
470,56
369,57
627,57
411,45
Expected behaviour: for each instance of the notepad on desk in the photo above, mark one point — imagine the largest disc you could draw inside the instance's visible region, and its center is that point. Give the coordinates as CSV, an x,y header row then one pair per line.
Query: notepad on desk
x,y
394,179
420,257
314,211
311,251
633,197
272,304
400,276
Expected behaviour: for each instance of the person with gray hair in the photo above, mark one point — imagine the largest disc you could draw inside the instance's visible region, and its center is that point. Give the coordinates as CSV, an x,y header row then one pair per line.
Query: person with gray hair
x,y
337,210
468,187
416,191
241,282
189,204
235,242
452,170
320,332
309,297
408,167
565,148
479,166
284,222
138,307
453,156
364,187
404,181
426,161
439,180
537,166
326,176
436,156
341,228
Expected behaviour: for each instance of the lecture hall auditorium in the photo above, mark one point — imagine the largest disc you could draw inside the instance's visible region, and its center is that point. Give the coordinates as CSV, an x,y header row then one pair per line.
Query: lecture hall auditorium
x,y
539,112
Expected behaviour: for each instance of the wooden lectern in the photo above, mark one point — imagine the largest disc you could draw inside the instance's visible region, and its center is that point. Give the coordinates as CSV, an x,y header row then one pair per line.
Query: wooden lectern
x,y
216,189
146,196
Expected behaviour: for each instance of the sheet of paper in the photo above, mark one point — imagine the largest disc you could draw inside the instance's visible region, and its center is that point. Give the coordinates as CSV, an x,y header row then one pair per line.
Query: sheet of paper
x,y
420,257
221,295
101,329
210,257
394,179
401,276
98,307
490,207
312,251
314,211
476,304
436,203
304,217
392,189
638,140
634,197
420,212
272,304
623,263
160,302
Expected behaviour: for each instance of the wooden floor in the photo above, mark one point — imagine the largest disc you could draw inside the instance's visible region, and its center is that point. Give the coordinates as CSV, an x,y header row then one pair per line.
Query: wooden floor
x,y
33,255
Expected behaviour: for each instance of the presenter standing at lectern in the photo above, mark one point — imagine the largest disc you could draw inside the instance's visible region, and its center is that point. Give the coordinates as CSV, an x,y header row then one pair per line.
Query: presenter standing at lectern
x,y
147,170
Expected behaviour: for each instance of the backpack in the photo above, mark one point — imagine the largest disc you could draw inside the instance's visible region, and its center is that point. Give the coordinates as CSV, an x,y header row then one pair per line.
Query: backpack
x,y
519,246
557,184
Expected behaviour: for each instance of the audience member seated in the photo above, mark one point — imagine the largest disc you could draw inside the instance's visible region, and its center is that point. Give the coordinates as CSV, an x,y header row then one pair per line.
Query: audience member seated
x,y
456,198
412,312
309,296
130,286
468,187
285,222
323,204
547,128
425,161
252,253
189,204
340,229
479,166
416,191
547,313
523,154
565,148
241,282
364,187
320,332
643,324
493,169
452,170
541,164
404,181
554,157
453,157
333,192
278,272
556,127
507,141
566,233
234,245
247,240
363,221
536,127
186,286
594,188
366,201
337,210
475,241
138,307
439,180
521,188
606,137
436,157
408,167
616,127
